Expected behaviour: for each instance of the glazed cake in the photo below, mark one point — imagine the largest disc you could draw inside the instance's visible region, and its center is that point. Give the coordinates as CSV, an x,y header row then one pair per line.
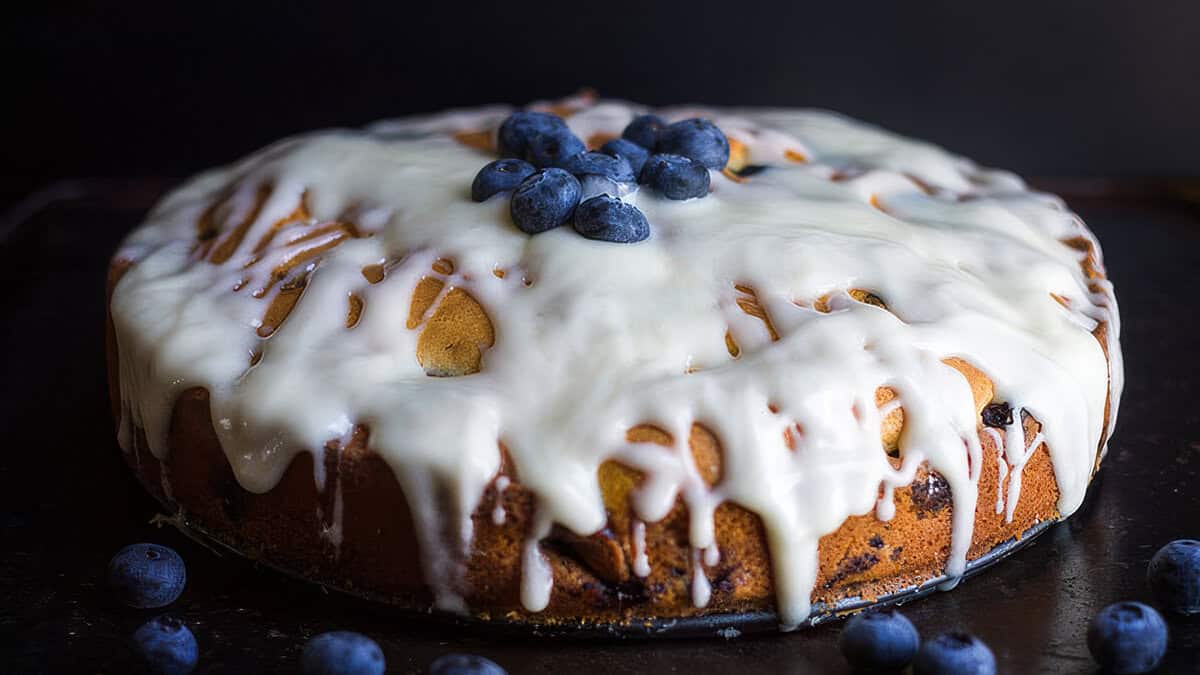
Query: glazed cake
x,y
857,364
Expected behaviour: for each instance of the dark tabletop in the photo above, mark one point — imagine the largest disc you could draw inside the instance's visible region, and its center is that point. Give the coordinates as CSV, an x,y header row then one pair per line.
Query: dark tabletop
x,y
69,503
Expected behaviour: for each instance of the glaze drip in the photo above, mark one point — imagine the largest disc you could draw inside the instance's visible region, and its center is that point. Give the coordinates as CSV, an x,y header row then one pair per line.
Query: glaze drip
x,y
498,514
641,562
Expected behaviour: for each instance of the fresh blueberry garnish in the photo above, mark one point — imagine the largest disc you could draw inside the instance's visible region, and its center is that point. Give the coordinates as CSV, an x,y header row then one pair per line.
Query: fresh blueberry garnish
x,y
627,150
166,646
607,218
675,176
341,652
1127,637
553,147
696,138
544,200
882,640
500,176
954,653
997,415
644,130
465,664
521,126
1174,576
147,576
600,164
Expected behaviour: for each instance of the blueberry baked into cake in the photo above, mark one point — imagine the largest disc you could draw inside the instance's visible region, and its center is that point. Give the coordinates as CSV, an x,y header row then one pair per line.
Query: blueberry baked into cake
x,y
588,363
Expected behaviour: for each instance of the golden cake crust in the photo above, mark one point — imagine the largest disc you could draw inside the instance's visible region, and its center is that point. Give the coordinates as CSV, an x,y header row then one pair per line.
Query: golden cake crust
x,y
378,553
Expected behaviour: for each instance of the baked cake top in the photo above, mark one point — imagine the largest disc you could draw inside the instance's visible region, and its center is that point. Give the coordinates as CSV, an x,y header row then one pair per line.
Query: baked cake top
x,y
829,259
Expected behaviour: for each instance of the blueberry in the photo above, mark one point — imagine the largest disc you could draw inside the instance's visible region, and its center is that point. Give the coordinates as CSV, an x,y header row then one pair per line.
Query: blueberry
x,y
600,164
499,176
554,147
696,138
147,576
1174,576
1127,637
882,640
544,200
465,664
629,151
607,218
644,130
675,176
166,646
997,415
954,653
341,652
521,126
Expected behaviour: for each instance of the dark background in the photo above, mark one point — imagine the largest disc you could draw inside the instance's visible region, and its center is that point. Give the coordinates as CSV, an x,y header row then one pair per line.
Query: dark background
x,y
1051,89
1044,88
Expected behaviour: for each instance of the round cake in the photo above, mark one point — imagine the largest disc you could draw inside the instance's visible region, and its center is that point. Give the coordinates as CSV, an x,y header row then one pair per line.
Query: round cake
x,y
844,365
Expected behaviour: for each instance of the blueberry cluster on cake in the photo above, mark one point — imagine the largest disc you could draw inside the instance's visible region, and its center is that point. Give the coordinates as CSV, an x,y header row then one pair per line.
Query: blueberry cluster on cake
x,y
792,360
564,181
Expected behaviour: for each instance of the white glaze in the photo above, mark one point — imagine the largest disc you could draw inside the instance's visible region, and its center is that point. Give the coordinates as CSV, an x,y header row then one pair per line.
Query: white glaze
x,y
1001,466
333,531
498,508
641,561
537,580
1017,453
594,338
701,588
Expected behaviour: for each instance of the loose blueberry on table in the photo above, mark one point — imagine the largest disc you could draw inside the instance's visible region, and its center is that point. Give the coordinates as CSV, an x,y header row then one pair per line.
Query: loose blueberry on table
x,y
1127,637
879,641
464,664
1174,576
954,653
166,646
342,653
147,576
